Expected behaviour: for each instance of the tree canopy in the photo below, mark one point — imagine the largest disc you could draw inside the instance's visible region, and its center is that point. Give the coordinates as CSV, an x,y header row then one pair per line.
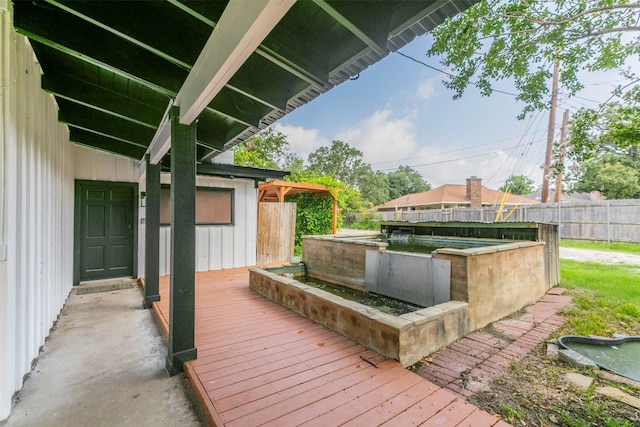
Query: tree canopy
x,y
613,128
522,39
336,165
518,184
614,176
340,161
406,180
604,148
267,149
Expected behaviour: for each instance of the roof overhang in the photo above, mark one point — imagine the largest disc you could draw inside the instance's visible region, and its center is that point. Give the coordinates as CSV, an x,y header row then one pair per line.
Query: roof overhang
x,y
116,68
244,172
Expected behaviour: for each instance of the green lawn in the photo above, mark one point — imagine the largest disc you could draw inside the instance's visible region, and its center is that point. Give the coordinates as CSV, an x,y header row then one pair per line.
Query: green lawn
x,y
632,248
606,298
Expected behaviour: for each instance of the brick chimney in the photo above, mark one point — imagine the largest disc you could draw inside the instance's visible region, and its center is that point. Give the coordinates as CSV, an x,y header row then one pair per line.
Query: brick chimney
x,y
474,192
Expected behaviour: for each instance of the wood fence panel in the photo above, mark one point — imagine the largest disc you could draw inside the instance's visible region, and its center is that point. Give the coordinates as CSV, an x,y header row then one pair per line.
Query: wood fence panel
x,y
549,234
276,231
606,220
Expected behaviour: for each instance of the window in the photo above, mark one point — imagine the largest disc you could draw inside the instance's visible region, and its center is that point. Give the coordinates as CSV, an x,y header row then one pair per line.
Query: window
x,y
214,206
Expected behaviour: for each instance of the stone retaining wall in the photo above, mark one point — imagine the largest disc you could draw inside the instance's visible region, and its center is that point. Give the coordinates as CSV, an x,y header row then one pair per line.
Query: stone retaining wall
x,y
406,338
496,281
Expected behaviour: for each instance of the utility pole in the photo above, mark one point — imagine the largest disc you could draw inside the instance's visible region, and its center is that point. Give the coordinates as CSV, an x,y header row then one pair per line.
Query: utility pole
x,y
563,143
544,197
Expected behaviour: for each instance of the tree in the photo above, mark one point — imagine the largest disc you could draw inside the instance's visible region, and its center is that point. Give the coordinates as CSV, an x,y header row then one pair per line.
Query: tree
x,y
614,176
613,128
340,161
267,149
314,214
604,147
517,184
406,180
521,40
345,164
374,187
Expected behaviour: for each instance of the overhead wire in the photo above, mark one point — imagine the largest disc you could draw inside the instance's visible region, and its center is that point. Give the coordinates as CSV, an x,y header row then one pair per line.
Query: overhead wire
x,y
448,151
447,73
456,159
527,147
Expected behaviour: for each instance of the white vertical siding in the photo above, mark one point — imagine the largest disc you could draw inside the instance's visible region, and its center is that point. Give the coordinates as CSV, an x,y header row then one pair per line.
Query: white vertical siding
x,y
219,246
97,165
36,211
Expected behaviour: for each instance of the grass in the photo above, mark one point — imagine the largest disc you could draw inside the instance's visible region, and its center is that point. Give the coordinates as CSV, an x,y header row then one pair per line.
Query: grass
x,y
606,298
606,301
614,281
511,414
631,248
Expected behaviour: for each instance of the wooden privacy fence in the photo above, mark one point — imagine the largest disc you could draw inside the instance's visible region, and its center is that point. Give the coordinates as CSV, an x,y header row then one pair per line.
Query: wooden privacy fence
x,y
276,231
606,220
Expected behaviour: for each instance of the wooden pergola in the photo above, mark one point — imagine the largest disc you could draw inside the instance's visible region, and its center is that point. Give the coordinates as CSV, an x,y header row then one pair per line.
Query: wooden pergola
x,y
276,191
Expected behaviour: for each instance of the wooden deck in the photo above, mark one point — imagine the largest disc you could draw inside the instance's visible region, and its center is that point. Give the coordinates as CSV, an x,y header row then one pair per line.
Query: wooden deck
x,y
262,364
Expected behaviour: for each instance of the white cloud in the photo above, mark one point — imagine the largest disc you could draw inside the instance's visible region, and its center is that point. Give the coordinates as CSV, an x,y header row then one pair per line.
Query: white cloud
x,y
303,141
439,165
389,139
381,137
427,89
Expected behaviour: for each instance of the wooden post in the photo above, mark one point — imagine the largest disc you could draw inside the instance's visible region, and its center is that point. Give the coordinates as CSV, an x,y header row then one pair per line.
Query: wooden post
x,y
183,247
334,218
152,235
544,196
563,136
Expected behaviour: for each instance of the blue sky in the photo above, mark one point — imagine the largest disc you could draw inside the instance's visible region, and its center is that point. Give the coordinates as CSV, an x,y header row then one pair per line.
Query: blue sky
x,y
399,112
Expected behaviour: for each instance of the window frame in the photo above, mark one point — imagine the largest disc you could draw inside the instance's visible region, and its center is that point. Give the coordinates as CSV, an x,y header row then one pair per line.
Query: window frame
x,y
201,189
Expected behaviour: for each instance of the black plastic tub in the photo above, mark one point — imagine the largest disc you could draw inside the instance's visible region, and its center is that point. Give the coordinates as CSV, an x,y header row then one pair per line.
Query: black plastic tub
x,y
618,355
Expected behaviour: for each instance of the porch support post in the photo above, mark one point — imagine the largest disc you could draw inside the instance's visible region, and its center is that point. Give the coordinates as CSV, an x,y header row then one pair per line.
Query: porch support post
x,y
152,235
334,214
183,245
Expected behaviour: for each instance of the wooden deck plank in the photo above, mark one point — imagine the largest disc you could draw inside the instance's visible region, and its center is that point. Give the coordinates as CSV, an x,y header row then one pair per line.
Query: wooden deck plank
x,y
259,363
394,406
250,354
451,415
257,349
423,410
354,408
276,413
279,391
479,418
284,370
347,392
266,365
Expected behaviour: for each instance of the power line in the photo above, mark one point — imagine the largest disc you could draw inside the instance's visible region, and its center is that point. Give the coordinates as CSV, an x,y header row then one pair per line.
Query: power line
x,y
451,151
449,74
459,158
528,147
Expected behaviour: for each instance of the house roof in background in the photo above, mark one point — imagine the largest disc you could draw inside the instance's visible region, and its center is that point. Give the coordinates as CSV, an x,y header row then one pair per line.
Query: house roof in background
x,y
454,194
114,67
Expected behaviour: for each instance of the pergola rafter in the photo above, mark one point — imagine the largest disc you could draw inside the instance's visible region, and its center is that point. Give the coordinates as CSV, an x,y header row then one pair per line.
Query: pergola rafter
x,y
276,191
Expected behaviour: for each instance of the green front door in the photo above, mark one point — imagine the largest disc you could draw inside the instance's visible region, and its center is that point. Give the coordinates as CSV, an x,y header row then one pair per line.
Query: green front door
x,y
106,230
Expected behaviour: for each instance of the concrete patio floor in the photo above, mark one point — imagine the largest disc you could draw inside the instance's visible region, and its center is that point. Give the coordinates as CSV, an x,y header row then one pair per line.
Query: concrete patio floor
x,y
103,365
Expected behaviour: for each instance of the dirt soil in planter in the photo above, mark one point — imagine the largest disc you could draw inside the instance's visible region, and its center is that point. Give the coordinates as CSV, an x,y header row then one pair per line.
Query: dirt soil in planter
x,y
533,392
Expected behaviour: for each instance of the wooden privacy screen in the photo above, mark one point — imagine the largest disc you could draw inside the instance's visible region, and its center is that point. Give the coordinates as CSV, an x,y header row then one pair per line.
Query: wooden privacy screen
x,y
276,231
213,206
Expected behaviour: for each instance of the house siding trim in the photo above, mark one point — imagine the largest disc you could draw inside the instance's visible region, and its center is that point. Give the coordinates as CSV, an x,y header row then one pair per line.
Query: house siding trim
x,y
36,211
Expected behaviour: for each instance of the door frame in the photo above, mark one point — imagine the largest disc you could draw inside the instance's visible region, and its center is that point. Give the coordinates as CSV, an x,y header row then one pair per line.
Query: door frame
x,y
77,222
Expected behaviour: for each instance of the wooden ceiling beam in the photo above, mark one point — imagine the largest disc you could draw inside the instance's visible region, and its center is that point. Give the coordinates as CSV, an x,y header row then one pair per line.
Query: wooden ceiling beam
x,y
353,28
241,29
